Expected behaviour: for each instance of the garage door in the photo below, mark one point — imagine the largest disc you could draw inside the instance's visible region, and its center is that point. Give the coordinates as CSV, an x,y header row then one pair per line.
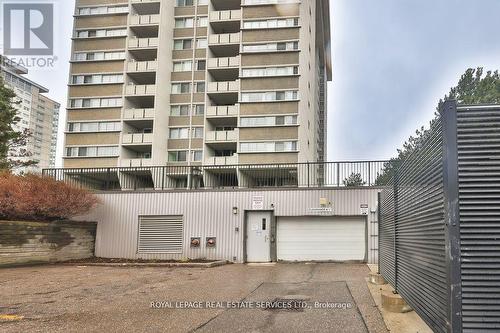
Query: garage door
x,y
321,238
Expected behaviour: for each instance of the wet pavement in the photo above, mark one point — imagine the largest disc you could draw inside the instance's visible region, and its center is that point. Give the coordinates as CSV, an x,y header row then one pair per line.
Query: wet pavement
x,y
233,298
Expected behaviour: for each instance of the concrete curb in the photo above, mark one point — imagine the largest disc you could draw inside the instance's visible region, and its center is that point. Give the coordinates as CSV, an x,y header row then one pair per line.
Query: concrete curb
x,y
150,264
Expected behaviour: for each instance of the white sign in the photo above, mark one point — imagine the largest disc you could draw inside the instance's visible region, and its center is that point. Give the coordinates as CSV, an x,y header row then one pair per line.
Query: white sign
x,y
322,209
258,202
364,209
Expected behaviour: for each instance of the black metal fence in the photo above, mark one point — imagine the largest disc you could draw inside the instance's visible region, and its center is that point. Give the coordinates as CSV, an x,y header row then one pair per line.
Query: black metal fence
x,y
439,223
313,174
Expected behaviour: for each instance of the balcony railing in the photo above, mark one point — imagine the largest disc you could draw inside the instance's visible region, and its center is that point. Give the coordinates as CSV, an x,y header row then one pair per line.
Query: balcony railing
x,y
136,162
225,15
224,86
137,138
140,89
144,19
222,160
208,176
138,43
222,136
224,62
138,114
223,111
215,39
142,66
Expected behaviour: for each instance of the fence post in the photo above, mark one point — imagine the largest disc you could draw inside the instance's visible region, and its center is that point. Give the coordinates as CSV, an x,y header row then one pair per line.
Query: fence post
x,y
396,218
448,114
308,180
369,172
108,178
338,173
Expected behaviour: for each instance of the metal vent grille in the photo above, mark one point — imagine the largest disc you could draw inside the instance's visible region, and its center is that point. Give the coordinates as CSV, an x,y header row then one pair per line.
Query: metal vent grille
x,y
479,195
160,234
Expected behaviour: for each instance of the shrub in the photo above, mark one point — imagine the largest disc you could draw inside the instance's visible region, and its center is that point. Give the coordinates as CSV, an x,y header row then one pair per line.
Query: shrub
x,y
38,198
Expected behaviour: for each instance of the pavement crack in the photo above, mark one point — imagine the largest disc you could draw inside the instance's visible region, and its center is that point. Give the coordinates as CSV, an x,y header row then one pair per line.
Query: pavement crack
x,y
223,311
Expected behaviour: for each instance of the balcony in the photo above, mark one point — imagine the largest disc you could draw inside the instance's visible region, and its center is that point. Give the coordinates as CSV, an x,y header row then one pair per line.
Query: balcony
x,y
144,1
224,68
142,66
224,87
222,136
225,21
145,19
137,138
223,62
225,45
222,160
140,90
138,114
136,162
223,111
142,43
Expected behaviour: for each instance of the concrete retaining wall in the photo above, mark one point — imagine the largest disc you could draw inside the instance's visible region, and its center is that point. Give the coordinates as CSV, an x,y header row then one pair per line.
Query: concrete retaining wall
x,y
25,242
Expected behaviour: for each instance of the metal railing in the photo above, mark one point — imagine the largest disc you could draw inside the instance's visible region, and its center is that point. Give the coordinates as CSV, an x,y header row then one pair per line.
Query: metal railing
x,y
182,177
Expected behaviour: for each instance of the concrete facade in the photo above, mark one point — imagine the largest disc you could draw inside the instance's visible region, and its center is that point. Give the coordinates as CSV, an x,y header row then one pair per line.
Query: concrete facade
x,y
199,82
221,215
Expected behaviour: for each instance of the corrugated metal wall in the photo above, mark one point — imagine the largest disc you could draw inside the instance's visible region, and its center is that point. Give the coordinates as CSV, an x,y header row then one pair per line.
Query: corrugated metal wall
x,y
412,241
209,214
479,196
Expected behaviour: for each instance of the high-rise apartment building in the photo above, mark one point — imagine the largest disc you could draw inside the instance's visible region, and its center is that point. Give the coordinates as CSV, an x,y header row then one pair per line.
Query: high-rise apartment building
x,y
198,82
38,114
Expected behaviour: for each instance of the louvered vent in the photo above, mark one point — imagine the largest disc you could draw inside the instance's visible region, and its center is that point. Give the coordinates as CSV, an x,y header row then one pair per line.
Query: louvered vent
x,y
160,234
479,196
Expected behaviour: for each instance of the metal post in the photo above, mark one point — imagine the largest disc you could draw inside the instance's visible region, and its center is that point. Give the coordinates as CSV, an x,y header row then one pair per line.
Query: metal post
x,y
108,177
308,181
448,114
369,174
163,171
338,173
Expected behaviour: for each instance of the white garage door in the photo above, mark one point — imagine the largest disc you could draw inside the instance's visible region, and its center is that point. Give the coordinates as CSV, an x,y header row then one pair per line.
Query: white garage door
x,y
321,238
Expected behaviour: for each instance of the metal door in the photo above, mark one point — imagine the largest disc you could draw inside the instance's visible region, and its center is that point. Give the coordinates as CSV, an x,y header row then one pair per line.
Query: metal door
x,y
258,240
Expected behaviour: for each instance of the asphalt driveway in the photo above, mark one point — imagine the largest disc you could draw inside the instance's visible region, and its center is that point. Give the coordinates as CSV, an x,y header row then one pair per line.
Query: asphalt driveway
x,y
233,298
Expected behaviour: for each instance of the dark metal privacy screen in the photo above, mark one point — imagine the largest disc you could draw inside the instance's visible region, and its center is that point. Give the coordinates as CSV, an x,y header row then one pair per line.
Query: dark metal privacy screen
x,y
439,228
479,191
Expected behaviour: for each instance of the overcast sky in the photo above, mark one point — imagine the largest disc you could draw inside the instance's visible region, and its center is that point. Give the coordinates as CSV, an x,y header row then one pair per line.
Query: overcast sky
x,y
392,61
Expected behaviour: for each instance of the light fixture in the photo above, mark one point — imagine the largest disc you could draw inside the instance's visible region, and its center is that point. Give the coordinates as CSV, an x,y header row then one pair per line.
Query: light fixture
x,y
235,210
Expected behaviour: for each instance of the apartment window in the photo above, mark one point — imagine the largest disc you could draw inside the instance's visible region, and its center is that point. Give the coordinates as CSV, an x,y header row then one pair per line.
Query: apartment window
x,y
100,151
179,110
271,47
201,65
183,3
270,71
101,33
95,102
200,87
181,88
96,56
268,147
183,66
184,22
197,155
177,156
289,95
98,79
201,43
179,133
272,23
199,110
197,133
202,21
102,10
202,2
268,121
183,44
110,126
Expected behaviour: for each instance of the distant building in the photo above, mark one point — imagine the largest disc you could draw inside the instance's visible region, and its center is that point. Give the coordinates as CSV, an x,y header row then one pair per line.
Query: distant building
x,y
38,113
